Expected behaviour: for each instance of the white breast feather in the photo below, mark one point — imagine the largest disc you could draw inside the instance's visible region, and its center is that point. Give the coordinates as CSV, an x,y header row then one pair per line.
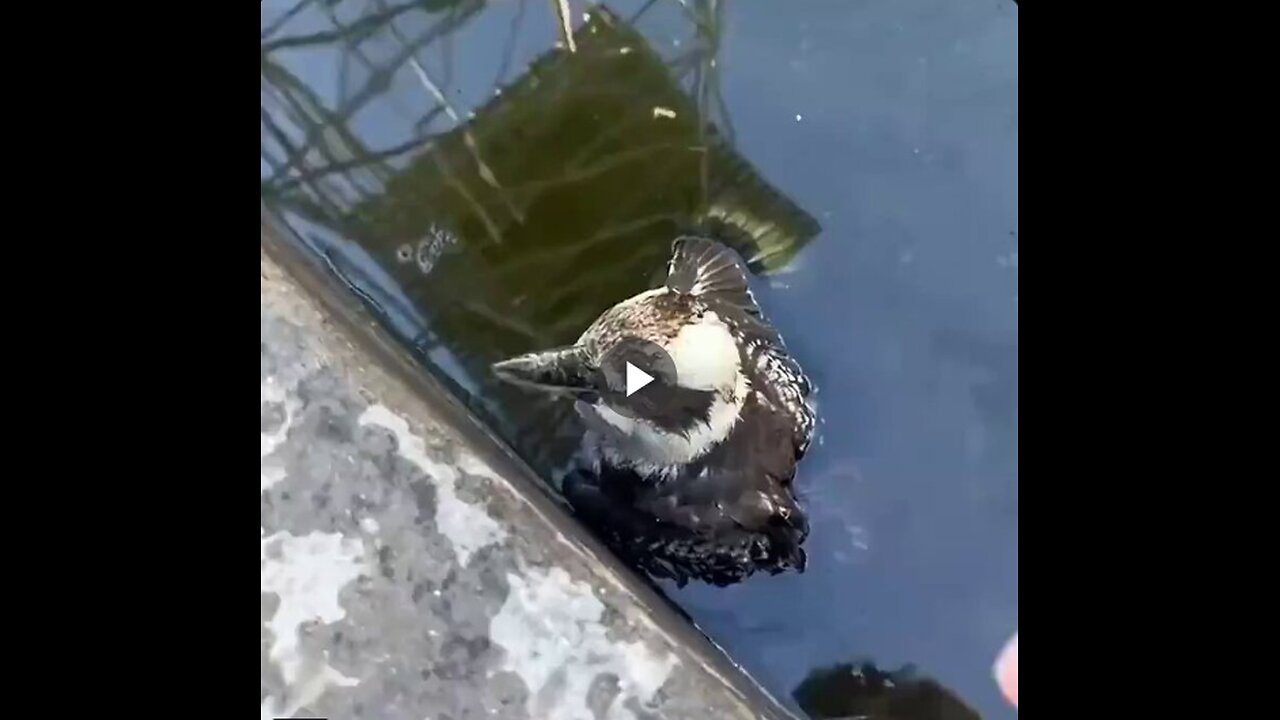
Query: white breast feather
x,y
662,452
705,355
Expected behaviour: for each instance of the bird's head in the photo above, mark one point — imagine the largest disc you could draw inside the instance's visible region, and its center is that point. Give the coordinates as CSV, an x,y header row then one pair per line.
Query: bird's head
x,y
681,335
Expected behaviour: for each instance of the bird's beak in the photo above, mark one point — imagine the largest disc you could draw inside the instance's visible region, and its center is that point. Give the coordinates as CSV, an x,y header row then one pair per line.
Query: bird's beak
x,y
566,370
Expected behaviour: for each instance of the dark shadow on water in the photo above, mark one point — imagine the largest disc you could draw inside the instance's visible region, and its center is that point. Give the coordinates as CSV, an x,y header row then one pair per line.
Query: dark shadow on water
x,y
851,691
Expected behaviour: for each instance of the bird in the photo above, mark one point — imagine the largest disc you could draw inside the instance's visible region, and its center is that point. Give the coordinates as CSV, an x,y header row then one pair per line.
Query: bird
x,y
694,479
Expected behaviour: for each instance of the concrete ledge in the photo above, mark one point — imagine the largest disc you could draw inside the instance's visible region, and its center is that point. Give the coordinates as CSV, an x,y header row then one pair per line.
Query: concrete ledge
x,y
412,567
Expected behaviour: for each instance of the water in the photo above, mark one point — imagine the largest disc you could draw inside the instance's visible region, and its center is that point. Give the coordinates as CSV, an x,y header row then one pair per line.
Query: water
x,y
875,145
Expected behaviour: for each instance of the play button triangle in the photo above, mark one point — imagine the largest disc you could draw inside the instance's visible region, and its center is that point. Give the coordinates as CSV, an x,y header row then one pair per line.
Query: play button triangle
x,y
636,379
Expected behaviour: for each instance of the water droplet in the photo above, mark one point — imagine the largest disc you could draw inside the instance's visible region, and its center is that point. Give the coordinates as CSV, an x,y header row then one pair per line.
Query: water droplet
x,y
799,117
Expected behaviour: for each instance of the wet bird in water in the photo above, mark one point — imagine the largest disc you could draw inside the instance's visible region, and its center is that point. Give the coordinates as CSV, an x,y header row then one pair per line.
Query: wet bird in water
x,y
692,479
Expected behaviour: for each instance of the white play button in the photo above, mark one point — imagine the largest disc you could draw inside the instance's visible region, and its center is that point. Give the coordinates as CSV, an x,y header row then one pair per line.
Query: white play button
x,y
632,365
636,379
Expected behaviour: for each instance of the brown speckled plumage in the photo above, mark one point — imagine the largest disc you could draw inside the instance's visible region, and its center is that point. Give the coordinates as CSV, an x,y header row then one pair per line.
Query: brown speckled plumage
x,y
656,317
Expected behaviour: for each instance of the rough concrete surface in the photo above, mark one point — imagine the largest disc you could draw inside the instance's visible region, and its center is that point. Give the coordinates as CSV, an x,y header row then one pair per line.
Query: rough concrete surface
x,y
403,578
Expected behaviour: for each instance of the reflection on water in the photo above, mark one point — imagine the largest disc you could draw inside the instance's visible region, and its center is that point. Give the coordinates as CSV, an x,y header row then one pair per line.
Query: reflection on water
x,y
547,203
487,191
